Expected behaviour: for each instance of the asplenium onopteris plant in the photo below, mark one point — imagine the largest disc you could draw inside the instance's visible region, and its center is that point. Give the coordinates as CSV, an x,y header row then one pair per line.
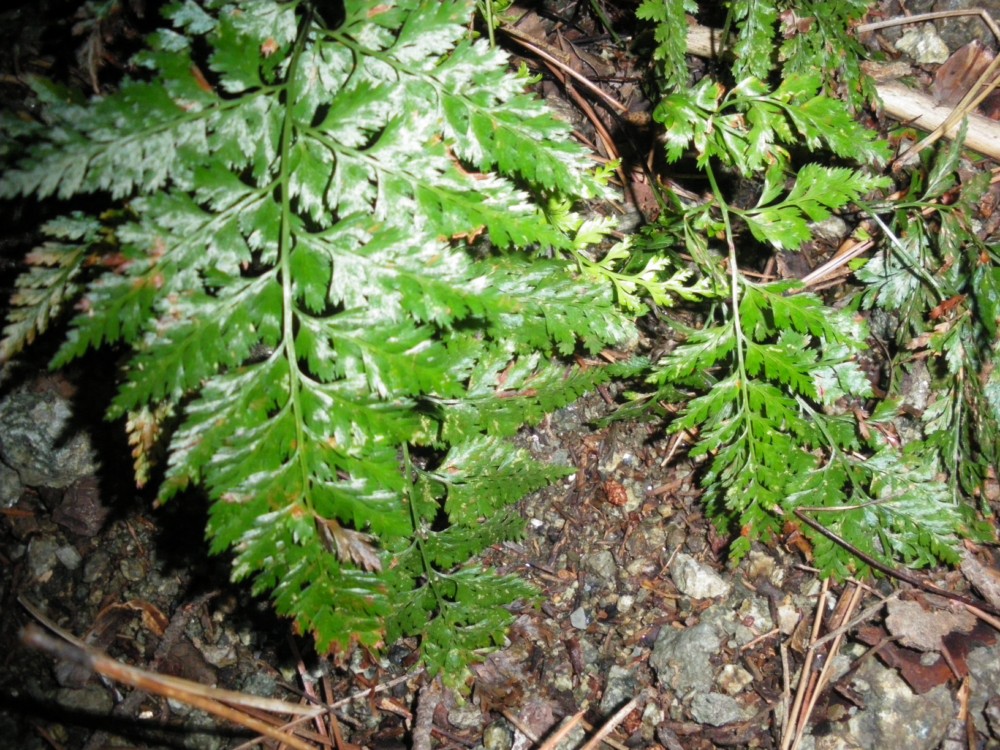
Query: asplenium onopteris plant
x,y
771,392
939,282
285,259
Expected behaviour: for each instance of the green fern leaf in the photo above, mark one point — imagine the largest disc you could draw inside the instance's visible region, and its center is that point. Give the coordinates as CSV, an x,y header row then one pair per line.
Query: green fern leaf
x,y
484,475
755,27
292,279
49,283
670,34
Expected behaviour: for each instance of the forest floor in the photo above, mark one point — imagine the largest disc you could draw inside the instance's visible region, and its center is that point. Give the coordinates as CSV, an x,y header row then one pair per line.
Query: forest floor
x,y
643,635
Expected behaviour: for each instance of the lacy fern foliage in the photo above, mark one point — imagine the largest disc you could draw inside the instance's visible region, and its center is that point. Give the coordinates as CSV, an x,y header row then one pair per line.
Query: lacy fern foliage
x,y
289,272
770,385
938,282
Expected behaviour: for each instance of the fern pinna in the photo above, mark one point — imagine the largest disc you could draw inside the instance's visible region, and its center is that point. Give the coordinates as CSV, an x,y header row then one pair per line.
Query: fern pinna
x,y
286,263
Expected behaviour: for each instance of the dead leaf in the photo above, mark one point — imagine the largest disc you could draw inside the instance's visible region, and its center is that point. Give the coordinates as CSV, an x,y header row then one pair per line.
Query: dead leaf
x,y
918,626
615,493
919,671
500,681
983,579
959,72
349,545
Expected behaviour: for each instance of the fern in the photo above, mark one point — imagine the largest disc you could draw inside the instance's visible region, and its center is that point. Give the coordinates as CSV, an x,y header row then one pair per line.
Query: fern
x,y
289,272
770,383
819,32
339,253
940,282
755,22
670,32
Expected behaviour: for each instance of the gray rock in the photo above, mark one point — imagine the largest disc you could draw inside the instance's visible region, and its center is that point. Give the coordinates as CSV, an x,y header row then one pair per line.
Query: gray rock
x,y
733,678
497,736
133,568
465,716
97,566
894,716
42,558
38,441
603,565
696,579
620,688
836,742
717,709
537,717
752,618
93,700
608,463
681,658
917,386
762,567
831,229
984,669
261,683
788,617
955,31
923,45
10,486
69,557
992,714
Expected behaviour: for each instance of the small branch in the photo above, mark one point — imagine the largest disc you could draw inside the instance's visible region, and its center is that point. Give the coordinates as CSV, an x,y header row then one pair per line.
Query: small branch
x,y
899,575
921,111
551,56
824,675
423,725
973,97
562,732
98,657
807,676
185,691
609,725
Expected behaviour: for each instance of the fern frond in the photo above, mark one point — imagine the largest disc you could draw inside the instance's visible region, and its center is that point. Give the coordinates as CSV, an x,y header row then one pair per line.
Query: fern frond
x,y
50,282
292,278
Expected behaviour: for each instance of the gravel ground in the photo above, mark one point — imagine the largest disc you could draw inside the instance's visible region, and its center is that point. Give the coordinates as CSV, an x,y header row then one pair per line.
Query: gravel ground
x,y
641,628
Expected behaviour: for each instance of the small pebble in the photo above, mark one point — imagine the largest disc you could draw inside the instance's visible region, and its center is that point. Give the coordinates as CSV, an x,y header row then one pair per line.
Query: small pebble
x,y
69,557
134,570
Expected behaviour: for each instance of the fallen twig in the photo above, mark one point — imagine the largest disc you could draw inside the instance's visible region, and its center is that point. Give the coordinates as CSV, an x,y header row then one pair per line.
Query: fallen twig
x,y
921,111
842,615
947,126
210,700
609,725
807,677
427,703
900,575
553,741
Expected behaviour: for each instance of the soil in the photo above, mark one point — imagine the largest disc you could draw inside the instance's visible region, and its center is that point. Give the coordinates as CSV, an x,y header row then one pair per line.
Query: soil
x,y
605,549
133,582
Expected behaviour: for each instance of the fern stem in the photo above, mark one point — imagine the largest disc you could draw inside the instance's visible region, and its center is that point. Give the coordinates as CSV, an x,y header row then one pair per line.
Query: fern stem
x,y
491,22
418,533
954,456
285,254
734,286
911,264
